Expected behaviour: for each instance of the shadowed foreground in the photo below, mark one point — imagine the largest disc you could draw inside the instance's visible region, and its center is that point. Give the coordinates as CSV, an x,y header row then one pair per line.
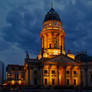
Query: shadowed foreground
x,y
48,90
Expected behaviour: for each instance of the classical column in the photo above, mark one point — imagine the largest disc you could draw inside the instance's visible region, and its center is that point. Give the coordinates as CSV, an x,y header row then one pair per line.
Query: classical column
x,y
52,42
58,41
64,75
62,40
42,40
71,75
46,41
58,74
42,75
29,75
49,74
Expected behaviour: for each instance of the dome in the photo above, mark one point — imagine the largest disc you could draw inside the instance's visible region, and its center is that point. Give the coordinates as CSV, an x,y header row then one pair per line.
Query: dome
x,y
52,15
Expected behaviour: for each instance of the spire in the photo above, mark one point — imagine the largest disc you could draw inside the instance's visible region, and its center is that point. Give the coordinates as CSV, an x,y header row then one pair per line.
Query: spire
x,y
51,3
27,54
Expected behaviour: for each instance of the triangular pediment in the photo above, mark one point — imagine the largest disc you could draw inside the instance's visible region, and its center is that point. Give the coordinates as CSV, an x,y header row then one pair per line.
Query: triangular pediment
x,y
61,58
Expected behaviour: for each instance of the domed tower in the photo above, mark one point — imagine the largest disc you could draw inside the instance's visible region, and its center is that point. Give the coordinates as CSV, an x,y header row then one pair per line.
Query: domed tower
x,y
52,36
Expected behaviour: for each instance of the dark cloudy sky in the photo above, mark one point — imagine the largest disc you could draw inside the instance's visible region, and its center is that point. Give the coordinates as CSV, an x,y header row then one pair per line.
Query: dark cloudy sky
x,y
21,20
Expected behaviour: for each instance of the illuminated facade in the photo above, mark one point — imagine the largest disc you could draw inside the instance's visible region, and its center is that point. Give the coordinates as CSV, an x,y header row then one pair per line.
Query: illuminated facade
x,y
61,71
53,67
52,36
15,75
58,71
32,71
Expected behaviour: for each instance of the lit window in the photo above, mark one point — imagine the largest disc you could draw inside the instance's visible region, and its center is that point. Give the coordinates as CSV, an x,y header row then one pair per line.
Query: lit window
x,y
50,24
55,52
12,82
20,82
9,73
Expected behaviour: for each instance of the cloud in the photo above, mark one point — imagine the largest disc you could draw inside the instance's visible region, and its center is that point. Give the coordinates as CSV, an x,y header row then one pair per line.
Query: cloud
x,y
21,21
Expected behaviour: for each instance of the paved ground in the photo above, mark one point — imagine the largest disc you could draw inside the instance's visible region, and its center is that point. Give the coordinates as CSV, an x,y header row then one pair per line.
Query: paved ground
x,y
49,90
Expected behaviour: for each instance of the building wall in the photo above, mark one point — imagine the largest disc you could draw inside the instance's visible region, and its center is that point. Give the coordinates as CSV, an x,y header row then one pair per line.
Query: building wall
x,y
15,75
54,74
35,76
62,76
1,71
89,72
83,77
32,73
50,76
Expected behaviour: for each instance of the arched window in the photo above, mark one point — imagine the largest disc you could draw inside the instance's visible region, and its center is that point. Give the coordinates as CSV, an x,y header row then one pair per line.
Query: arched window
x,y
45,81
35,81
55,45
53,81
50,46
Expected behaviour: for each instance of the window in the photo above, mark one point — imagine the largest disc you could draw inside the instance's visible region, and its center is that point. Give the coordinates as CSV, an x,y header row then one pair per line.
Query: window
x,y
50,46
53,72
91,77
16,76
67,81
53,81
9,74
74,81
75,72
35,81
35,72
55,45
45,71
45,81
67,72
23,75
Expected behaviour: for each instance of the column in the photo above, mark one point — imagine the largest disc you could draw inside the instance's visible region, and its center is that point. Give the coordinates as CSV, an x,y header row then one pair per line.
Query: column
x,y
57,41
47,41
49,75
71,75
64,75
58,74
42,75
29,75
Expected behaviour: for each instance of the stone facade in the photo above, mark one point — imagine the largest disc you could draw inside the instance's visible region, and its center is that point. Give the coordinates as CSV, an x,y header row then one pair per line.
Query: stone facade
x,y
58,71
15,75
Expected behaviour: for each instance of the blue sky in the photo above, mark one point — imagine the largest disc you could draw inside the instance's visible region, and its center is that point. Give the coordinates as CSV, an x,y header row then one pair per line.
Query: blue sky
x,y
21,20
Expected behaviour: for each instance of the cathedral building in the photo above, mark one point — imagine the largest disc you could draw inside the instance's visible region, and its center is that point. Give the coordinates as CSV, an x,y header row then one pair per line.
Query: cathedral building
x,y
53,67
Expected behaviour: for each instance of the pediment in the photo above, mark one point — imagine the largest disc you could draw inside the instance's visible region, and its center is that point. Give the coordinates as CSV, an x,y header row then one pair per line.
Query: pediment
x,y
61,58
